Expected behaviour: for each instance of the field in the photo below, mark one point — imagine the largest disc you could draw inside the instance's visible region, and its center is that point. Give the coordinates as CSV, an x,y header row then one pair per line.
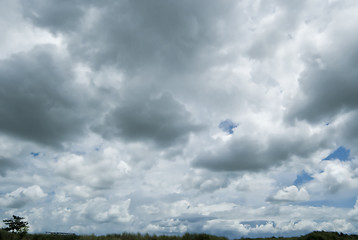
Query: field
x,y
127,236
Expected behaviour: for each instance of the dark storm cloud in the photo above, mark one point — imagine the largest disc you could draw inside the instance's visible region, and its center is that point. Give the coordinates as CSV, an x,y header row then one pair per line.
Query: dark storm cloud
x,y
133,35
35,97
63,16
151,43
239,155
6,164
176,35
250,154
161,120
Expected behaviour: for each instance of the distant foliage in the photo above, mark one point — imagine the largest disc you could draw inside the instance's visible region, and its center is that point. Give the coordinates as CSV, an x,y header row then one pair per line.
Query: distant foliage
x,y
4,235
129,236
16,225
328,236
315,236
53,237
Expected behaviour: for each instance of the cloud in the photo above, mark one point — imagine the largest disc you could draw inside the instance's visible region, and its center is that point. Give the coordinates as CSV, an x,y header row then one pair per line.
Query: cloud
x,y
178,35
348,131
328,83
99,210
277,23
290,194
126,103
353,214
336,176
252,189
36,103
205,181
253,153
66,17
183,207
84,170
295,225
168,225
160,120
7,164
22,196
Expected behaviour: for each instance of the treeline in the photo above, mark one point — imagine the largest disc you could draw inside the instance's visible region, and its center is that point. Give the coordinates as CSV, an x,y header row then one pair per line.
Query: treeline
x,y
313,236
4,235
123,236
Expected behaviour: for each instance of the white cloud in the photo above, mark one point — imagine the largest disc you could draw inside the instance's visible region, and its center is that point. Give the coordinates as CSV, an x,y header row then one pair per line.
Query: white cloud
x,y
169,226
100,210
290,194
101,171
125,113
22,196
335,177
353,213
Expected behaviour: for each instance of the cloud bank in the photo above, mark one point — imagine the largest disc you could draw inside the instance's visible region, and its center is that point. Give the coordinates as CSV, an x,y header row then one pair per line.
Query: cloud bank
x,y
230,118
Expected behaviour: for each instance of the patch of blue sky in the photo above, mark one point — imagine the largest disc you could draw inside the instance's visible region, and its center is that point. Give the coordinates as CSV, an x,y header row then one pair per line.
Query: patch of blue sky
x,y
340,153
228,126
50,196
348,202
35,154
302,178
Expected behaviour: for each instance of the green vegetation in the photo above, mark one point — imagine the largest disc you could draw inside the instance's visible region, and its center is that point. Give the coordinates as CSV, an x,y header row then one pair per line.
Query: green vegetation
x,y
314,236
16,225
5,235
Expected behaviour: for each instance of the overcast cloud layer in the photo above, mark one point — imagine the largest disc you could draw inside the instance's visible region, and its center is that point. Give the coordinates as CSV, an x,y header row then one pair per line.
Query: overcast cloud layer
x,y
235,118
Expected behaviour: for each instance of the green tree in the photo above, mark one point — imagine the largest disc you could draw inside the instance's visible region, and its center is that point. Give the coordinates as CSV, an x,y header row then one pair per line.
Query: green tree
x,y
16,225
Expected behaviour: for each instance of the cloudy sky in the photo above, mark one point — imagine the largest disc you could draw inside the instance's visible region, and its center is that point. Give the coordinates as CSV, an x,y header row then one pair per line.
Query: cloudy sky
x,y
235,118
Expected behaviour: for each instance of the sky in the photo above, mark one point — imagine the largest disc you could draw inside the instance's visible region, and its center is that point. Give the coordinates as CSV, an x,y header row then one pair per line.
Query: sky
x,y
233,118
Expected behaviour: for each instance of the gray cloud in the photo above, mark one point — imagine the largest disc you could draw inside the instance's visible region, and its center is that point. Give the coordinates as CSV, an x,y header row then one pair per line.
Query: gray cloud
x,y
205,181
329,82
176,35
7,164
327,92
99,210
248,153
161,120
136,90
135,35
36,101
348,133
240,155
55,16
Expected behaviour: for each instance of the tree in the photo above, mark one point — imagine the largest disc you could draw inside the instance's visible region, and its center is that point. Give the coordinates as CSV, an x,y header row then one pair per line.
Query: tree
x,y
16,225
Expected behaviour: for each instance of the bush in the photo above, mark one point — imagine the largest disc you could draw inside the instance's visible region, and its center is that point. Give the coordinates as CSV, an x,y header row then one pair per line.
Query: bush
x,y
4,235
